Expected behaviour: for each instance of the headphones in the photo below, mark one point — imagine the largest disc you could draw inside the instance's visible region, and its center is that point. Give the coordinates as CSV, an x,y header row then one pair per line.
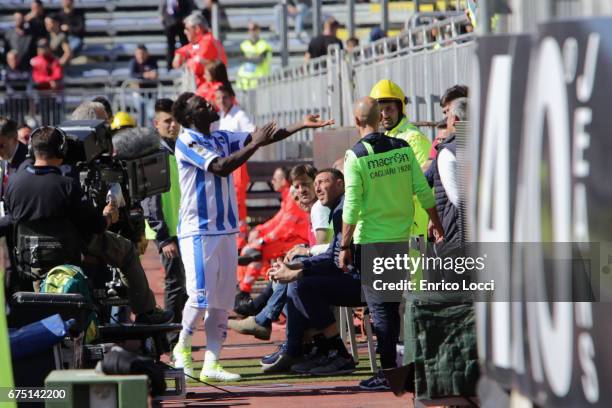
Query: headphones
x,y
61,151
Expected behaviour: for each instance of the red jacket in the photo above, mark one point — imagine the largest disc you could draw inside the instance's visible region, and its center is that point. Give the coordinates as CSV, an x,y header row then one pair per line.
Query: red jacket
x,y
46,69
241,183
289,223
207,48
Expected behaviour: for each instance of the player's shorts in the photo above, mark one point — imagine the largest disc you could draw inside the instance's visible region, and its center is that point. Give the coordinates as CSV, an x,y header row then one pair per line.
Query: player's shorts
x,y
210,263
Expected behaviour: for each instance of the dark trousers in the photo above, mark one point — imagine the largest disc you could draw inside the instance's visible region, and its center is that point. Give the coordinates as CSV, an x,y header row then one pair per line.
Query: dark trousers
x,y
309,302
175,294
385,320
172,31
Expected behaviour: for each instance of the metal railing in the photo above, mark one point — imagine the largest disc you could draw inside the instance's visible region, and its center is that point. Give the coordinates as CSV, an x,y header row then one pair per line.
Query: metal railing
x,y
424,61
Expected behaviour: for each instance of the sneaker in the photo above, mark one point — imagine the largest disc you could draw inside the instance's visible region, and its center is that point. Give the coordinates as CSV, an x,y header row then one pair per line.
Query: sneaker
x,y
250,326
376,382
242,298
335,364
282,362
245,307
270,358
155,316
182,359
215,372
313,359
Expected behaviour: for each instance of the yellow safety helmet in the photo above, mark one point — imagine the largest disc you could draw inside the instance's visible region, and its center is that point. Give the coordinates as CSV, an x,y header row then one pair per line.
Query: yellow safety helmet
x,y
122,120
387,89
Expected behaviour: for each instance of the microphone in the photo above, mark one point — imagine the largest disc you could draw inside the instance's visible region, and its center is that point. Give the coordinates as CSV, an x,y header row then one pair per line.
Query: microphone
x,y
133,143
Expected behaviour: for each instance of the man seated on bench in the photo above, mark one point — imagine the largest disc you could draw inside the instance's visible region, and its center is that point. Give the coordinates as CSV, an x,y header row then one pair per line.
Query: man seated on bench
x,y
288,228
303,183
314,284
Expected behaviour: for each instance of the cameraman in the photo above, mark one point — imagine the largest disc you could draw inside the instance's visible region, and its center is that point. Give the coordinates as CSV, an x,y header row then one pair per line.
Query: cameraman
x,y
40,195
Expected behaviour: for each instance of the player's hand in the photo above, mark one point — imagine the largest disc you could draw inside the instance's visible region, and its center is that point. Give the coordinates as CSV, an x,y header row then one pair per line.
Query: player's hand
x,y
265,135
170,250
313,122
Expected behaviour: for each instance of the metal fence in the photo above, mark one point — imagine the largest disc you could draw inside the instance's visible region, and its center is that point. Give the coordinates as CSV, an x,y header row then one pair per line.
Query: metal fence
x,y
53,107
424,61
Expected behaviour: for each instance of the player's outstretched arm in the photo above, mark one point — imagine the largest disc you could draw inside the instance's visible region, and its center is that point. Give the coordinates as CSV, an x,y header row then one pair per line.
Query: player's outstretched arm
x,y
224,166
309,122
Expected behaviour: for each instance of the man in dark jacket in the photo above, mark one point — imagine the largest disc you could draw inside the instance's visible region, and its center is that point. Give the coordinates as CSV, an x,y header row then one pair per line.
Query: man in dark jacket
x,y
316,283
172,14
161,212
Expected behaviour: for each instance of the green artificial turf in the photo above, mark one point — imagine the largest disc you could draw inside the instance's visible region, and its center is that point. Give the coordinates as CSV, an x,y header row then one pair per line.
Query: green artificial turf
x,y
250,370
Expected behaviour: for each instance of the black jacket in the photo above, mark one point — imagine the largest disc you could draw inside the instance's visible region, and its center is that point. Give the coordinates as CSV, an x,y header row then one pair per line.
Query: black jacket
x,y
42,193
450,216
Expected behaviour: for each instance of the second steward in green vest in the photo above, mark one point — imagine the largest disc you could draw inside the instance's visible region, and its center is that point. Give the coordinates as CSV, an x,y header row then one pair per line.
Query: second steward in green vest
x,y
257,54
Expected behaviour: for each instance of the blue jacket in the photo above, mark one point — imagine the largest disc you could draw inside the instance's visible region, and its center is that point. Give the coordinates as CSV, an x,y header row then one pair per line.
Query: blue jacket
x,y
326,262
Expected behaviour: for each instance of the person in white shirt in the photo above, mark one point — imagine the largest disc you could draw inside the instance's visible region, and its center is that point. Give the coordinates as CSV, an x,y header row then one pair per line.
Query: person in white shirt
x,y
234,119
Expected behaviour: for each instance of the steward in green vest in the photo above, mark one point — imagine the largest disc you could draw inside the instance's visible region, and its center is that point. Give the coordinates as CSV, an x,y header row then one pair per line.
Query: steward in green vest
x,y
392,103
257,54
161,212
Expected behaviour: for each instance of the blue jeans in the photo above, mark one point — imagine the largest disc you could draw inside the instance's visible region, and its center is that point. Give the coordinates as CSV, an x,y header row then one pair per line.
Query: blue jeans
x,y
76,43
274,307
302,12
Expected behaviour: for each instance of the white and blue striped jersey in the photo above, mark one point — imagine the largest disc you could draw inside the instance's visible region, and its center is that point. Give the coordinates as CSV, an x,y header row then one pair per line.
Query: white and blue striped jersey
x,y
208,202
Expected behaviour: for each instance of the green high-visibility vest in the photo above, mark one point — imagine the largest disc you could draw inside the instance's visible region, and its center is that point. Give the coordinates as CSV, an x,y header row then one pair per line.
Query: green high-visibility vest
x,y
171,199
421,146
250,72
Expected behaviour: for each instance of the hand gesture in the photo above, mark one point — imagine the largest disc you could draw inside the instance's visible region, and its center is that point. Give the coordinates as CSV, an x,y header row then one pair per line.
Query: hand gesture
x,y
313,122
265,135
283,274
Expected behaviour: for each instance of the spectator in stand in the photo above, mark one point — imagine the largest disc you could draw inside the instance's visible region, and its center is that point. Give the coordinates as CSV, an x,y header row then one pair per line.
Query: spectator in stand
x,y
376,34
22,41
215,74
234,119
223,20
35,20
375,211
14,77
296,9
172,14
318,45
47,72
143,66
73,24
202,48
257,54
351,44
58,40
23,134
